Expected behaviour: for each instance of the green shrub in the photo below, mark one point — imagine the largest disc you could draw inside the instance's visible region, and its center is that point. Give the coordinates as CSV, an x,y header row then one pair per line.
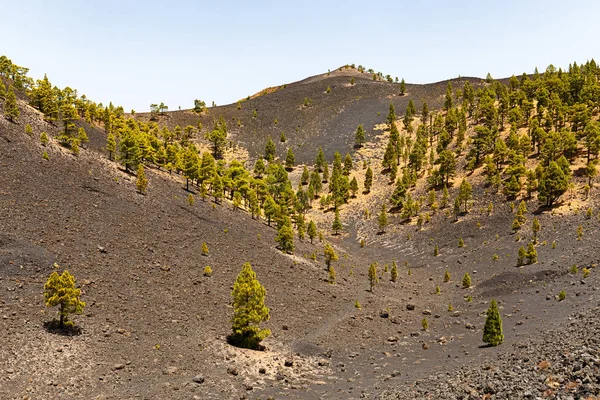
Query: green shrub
x,y
208,271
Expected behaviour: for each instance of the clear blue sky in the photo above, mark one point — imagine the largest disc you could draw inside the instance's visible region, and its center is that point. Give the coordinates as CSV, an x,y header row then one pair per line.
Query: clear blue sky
x,y
142,52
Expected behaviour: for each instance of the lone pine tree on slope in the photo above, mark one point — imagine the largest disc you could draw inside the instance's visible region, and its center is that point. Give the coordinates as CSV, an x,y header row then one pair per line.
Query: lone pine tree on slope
x,y
249,310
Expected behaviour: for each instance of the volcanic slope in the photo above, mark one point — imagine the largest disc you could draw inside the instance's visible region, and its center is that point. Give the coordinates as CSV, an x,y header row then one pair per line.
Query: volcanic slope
x,y
155,327
309,116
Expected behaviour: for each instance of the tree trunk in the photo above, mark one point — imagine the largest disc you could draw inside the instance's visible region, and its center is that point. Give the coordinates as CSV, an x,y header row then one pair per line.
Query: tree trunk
x,y
61,322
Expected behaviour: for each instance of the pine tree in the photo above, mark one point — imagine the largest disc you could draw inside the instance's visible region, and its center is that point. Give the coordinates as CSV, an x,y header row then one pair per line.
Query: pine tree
x,y
373,278
456,208
347,164
249,310
368,179
305,176
445,197
521,256
217,187
285,235
383,219
531,253
465,194
259,168
320,160
290,160
461,242
391,117
359,137
129,149
353,186
448,102
2,90
82,136
271,209
466,281
337,223
11,109
329,254
394,272
535,228
492,331
270,150
553,184
331,274
44,138
141,181
204,249
311,230
60,290
402,87
447,276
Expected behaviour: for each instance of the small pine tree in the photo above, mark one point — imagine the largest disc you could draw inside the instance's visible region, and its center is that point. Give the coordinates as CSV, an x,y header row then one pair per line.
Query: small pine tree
x,y
190,199
461,242
337,223
535,227
331,274
305,176
438,290
562,295
285,235
492,331
359,137
424,324
60,290
11,109
111,145
329,254
208,271
204,249
82,136
383,220
521,256
394,272
141,181
45,155
75,147
290,159
368,179
28,130
373,278
249,310
311,231
466,281
436,251
447,276
44,138
531,254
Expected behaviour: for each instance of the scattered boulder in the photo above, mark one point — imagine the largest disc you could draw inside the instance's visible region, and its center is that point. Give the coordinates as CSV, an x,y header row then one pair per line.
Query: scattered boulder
x,y
199,379
410,307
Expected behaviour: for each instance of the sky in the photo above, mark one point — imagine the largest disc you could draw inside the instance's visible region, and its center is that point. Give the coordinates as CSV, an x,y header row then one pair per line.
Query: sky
x,y
137,53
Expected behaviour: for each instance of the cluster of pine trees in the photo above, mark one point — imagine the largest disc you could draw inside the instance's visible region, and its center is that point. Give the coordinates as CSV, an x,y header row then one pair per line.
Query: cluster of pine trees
x,y
549,118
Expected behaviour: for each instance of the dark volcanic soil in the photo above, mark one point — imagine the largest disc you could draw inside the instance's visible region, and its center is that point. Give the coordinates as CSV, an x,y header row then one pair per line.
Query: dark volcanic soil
x,y
155,327
330,121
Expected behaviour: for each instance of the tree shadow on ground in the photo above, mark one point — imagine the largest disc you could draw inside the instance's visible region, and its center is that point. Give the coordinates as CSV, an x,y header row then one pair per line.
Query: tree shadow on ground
x,y
66,330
